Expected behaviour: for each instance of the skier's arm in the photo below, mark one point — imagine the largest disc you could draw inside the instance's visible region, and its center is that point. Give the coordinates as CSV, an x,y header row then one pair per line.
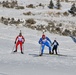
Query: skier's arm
x,y
57,44
49,40
52,43
40,41
16,39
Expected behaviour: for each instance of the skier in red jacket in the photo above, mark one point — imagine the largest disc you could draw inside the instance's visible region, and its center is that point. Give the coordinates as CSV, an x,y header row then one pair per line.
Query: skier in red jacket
x,y
19,41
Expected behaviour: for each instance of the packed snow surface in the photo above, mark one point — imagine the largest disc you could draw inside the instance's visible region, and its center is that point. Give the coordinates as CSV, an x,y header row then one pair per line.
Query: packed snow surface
x,y
30,63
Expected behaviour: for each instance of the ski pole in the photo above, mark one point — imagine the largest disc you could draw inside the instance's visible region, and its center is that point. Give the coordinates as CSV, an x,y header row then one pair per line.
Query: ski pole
x,y
58,51
23,47
13,48
40,49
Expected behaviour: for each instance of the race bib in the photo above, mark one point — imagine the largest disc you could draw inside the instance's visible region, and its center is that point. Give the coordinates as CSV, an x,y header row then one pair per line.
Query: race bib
x,y
55,43
44,40
19,38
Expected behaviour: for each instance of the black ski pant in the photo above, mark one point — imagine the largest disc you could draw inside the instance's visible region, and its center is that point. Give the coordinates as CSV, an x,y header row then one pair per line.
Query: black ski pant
x,y
54,49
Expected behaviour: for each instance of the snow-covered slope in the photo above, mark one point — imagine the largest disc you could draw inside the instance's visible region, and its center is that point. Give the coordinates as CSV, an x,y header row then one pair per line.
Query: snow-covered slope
x,y
61,18
40,13
29,63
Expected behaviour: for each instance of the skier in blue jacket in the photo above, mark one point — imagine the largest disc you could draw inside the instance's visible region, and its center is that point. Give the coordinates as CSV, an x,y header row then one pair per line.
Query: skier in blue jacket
x,y
45,41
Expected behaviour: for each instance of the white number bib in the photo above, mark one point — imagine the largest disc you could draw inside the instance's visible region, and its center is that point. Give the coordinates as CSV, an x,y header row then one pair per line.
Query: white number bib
x,y
19,38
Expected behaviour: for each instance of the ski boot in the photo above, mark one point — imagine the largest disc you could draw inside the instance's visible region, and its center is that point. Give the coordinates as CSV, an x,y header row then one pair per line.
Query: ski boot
x,y
50,52
41,54
22,52
15,51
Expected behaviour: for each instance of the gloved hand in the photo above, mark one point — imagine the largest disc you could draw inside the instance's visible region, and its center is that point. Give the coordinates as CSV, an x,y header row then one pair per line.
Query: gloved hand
x,y
22,42
15,42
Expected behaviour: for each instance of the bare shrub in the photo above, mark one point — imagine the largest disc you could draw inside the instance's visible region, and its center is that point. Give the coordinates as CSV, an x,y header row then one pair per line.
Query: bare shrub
x,y
66,0
58,30
12,19
40,4
28,25
42,27
2,18
58,13
8,19
38,27
33,27
30,21
6,22
66,32
65,13
74,32
60,24
8,4
27,13
20,7
50,26
62,0
52,30
30,6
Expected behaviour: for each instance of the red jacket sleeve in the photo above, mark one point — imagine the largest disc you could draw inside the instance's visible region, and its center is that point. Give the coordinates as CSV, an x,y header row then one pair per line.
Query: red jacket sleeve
x,y
16,38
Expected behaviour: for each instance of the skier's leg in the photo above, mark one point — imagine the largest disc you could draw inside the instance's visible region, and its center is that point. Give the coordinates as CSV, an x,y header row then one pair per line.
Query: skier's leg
x,y
42,50
16,46
56,50
53,50
48,45
49,49
21,47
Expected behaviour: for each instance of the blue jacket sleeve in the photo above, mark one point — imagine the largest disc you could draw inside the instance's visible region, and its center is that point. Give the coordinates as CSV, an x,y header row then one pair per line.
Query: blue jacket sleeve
x,y
48,40
40,41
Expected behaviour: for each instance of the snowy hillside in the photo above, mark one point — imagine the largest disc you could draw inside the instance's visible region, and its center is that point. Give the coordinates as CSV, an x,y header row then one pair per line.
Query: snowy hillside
x,y
29,63
54,20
